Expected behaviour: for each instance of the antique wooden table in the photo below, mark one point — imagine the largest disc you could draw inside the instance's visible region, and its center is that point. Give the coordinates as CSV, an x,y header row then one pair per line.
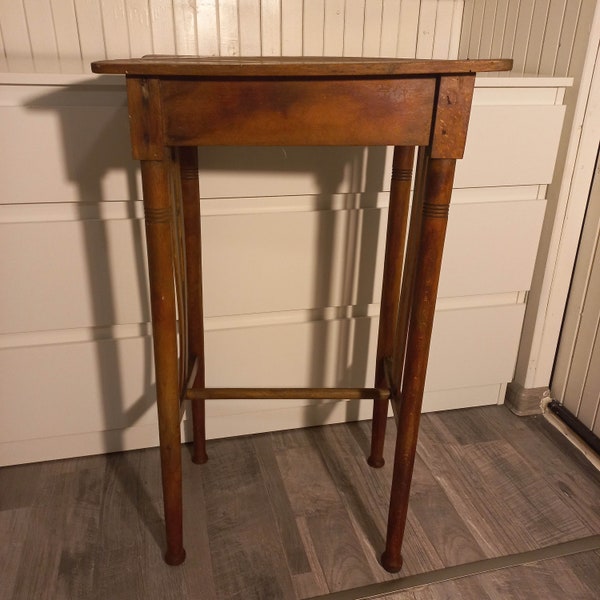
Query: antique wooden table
x,y
179,103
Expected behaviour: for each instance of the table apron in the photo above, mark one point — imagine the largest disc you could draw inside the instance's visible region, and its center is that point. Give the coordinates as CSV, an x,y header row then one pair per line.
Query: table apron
x,y
263,112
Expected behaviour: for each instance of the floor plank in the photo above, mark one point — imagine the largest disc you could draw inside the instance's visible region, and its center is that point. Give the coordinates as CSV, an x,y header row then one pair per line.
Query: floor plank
x,y
295,514
247,555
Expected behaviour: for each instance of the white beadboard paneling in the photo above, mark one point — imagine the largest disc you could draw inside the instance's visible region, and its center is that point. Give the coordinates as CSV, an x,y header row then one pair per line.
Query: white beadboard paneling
x,y
570,22
446,33
207,31
390,23
500,20
42,36
510,27
187,25
540,35
333,34
467,29
427,22
84,30
552,34
91,30
313,28
522,33
67,37
3,61
488,23
535,39
454,41
372,28
139,27
116,36
270,16
354,25
408,29
250,23
476,22
291,27
229,32
15,36
162,26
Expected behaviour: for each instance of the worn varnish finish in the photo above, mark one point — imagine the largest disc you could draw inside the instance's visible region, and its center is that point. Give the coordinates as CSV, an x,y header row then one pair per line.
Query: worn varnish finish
x,y
176,103
300,513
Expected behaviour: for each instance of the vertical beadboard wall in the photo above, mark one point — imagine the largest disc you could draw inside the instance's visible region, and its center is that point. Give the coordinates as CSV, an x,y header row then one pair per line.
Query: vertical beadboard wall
x,y
548,38
65,35
543,37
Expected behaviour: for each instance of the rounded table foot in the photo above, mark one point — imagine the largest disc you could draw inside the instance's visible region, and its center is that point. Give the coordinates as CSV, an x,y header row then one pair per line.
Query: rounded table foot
x,y
175,558
376,463
391,564
199,458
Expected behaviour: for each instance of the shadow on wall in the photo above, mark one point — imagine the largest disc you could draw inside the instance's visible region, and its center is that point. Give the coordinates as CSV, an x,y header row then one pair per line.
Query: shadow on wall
x,y
95,143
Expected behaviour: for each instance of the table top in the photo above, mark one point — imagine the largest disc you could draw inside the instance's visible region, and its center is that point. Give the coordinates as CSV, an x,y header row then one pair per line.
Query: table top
x,y
197,66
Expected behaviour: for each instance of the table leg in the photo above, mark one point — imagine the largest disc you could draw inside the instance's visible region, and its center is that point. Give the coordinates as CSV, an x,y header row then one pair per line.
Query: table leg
x,y
392,275
159,223
439,175
188,161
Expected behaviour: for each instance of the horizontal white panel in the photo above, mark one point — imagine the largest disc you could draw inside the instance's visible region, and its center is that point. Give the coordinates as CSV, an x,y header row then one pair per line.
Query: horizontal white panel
x,y
291,260
519,96
472,347
70,274
66,154
211,207
223,422
510,145
108,384
77,138
491,247
70,389
469,347
466,397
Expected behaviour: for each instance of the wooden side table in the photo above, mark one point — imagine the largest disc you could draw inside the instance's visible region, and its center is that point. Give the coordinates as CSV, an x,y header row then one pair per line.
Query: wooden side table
x,y
179,103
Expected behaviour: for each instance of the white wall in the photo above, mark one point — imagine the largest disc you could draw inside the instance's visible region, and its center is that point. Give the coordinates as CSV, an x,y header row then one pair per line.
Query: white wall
x,y
64,36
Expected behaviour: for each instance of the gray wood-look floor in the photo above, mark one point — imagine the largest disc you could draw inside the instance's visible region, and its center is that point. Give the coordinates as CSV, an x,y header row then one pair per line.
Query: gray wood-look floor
x,y
298,514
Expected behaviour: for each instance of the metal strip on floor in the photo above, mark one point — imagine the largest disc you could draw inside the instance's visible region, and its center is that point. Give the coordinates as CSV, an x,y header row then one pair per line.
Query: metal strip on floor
x,y
376,590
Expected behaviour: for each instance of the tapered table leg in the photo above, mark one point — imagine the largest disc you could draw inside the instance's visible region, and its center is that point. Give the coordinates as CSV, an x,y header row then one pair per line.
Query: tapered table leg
x,y
392,275
438,187
159,223
188,160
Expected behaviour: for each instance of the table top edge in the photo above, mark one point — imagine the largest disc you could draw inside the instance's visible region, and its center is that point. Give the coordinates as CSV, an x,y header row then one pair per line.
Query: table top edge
x,y
196,66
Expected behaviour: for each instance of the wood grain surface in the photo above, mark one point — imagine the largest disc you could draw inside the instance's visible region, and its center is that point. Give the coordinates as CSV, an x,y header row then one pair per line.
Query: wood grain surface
x,y
297,514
